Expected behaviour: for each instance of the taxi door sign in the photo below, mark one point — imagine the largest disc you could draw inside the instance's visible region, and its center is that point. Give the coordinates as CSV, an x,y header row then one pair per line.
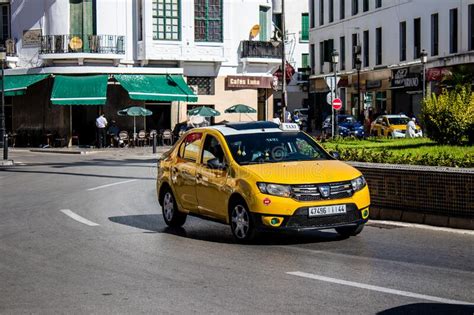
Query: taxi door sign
x,y
289,127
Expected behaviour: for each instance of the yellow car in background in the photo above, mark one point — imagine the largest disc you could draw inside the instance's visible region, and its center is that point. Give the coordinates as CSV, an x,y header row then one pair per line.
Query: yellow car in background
x,y
256,176
393,126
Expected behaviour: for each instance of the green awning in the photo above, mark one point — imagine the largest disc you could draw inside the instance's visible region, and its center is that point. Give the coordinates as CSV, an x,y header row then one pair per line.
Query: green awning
x,y
163,88
79,90
17,84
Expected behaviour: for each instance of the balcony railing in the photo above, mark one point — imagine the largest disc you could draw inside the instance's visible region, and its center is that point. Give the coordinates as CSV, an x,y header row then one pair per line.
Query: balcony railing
x,y
260,49
96,44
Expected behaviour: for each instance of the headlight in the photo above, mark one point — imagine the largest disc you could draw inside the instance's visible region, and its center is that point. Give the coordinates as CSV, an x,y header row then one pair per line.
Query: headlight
x,y
358,183
274,189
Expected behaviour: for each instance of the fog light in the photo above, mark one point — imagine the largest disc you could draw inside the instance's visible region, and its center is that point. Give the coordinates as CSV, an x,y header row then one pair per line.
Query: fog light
x,y
272,221
365,213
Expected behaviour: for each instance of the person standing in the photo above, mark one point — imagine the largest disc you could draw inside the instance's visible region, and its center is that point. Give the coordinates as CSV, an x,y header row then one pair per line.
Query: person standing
x,y
101,124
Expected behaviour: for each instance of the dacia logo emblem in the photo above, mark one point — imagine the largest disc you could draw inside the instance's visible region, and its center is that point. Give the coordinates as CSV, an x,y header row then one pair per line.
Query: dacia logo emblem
x,y
325,190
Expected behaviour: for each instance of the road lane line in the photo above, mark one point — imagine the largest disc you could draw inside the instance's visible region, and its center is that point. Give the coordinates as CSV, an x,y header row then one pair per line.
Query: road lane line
x,y
377,288
113,184
78,218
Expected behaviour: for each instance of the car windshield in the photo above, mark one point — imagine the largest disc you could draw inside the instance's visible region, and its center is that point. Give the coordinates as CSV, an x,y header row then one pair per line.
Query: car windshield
x,y
274,147
398,120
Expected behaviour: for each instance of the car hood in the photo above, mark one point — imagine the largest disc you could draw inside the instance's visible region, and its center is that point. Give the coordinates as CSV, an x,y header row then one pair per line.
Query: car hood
x,y
303,172
402,127
352,126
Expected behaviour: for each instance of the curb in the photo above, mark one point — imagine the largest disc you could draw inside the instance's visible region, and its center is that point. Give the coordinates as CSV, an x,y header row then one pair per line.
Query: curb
x,y
62,151
421,218
6,163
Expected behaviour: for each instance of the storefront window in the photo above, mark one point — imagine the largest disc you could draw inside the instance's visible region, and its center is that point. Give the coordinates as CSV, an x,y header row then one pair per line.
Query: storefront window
x,y
381,101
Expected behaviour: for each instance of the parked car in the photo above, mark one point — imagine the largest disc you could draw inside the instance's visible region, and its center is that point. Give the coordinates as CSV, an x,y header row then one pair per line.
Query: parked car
x,y
391,126
259,176
347,126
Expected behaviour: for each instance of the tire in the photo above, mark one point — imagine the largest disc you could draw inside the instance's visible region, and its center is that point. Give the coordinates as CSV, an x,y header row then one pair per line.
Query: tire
x,y
347,231
241,222
171,214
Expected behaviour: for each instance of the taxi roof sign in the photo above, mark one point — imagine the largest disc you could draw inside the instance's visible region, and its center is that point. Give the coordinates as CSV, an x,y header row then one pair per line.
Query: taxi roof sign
x,y
289,127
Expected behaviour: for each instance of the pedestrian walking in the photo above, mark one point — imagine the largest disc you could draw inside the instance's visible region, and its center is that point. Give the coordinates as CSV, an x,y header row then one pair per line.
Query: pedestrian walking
x,y
101,124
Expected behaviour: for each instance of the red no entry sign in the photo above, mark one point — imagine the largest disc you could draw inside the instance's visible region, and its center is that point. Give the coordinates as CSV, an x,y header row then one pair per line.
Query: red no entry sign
x,y
337,104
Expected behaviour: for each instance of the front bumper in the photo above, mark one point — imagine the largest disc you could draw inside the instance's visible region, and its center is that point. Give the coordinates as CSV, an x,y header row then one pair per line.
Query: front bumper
x,y
300,220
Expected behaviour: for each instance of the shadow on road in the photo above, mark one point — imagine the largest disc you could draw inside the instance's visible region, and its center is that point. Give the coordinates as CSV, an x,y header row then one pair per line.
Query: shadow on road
x,y
219,233
430,308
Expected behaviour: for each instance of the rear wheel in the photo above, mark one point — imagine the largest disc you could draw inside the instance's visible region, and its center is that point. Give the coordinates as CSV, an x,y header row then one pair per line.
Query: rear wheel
x,y
171,214
241,222
347,231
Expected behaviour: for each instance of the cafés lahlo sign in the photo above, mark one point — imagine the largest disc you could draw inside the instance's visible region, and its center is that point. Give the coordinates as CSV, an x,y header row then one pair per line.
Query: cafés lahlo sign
x,y
248,82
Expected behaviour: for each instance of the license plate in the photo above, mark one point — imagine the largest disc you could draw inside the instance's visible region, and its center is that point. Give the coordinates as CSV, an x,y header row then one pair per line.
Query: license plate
x,y
326,210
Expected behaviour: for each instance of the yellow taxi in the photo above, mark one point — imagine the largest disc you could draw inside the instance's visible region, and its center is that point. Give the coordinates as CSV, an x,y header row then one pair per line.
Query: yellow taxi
x,y
393,126
259,176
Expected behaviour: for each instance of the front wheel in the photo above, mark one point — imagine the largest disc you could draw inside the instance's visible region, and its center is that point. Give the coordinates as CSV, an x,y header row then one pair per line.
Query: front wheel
x,y
171,214
347,231
241,223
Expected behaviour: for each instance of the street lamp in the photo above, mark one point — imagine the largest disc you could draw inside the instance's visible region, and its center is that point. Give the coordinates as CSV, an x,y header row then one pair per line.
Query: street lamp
x,y
358,64
3,57
335,61
424,59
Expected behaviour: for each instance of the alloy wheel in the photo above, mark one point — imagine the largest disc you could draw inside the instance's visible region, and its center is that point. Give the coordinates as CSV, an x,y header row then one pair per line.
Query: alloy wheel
x,y
240,222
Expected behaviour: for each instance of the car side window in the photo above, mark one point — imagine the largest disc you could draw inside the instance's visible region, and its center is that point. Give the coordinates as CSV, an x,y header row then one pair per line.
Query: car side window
x,y
212,150
189,149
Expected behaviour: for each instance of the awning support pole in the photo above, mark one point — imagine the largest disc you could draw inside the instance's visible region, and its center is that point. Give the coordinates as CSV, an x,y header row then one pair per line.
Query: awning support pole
x,y
69,142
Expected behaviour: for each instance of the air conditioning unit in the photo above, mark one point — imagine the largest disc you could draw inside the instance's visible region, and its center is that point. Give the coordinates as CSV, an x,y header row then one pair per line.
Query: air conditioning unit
x,y
195,88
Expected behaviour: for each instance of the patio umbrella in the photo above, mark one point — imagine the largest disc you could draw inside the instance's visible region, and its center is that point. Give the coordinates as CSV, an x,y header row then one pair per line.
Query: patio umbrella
x,y
135,111
241,109
203,111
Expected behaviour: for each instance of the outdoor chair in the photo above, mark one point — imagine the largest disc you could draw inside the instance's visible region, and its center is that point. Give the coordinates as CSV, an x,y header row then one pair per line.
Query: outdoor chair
x,y
141,138
124,137
167,137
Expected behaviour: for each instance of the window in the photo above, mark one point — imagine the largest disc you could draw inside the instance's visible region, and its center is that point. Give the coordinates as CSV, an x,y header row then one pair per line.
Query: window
x,y
403,41
355,7
312,57
366,48
331,11
321,57
365,5
321,12
342,48
203,85
342,9
189,149
378,3
311,16
378,46
416,38
304,26
470,41
355,47
434,34
453,31
5,22
166,20
140,20
212,149
305,60
208,21
263,22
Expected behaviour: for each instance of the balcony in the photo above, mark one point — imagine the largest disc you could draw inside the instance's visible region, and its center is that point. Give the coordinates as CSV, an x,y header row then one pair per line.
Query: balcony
x,y
92,44
260,50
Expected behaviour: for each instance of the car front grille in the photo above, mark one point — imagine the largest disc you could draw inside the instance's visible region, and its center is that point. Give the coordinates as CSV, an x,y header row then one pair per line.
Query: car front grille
x,y
301,219
311,192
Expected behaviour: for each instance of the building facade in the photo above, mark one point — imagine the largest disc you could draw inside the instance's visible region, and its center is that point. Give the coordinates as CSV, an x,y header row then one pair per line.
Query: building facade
x,y
388,38
146,49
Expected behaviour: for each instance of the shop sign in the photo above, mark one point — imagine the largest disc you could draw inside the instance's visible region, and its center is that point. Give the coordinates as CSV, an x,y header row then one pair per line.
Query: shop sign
x,y
437,74
248,82
373,84
402,78
32,38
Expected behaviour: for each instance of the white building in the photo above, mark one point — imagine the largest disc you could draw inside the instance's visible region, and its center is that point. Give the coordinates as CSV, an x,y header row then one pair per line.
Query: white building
x,y
137,43
389,36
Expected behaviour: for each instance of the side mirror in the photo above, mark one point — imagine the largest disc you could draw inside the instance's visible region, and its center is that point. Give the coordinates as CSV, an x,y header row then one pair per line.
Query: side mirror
x,y
215,164
335,155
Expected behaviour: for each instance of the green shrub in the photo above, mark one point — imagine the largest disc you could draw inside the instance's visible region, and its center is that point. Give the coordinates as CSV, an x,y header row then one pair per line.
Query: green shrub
x,y
449,117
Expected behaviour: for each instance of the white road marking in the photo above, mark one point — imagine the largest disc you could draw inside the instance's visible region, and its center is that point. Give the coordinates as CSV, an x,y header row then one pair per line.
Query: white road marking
x,y
377,288
422,226
78,218
113,184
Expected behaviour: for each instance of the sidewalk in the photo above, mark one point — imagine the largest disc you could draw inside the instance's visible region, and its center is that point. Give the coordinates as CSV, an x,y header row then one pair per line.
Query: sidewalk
x,y
147,150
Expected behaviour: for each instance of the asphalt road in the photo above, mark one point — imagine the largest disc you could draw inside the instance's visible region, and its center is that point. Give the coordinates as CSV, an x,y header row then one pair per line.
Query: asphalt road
x,y
84,234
